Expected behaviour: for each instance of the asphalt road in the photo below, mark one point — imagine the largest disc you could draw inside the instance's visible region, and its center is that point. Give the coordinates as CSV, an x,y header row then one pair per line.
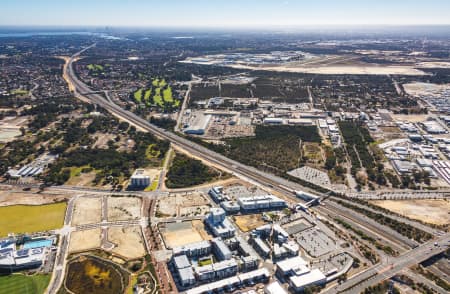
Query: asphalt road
x,y
371,277
379,273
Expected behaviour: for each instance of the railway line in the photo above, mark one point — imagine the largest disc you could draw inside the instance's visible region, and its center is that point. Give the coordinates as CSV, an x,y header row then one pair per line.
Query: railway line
x,y
243,171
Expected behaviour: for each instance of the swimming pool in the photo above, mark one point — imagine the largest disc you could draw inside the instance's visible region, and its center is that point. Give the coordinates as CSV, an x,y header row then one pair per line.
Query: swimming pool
x,y
37,244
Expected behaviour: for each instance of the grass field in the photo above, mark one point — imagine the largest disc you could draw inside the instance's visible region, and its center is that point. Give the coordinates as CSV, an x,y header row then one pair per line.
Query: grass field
x,y
31,218
159,94
153,186
21,284
95,67
19,92
138,95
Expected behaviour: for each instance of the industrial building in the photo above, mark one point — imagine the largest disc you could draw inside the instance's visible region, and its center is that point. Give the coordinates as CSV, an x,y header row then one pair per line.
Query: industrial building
x,y
219,224
273,121
199,125
261,202
139,179
193,249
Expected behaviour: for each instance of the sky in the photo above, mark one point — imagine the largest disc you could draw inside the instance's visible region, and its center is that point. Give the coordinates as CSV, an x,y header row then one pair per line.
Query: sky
x,y
222,13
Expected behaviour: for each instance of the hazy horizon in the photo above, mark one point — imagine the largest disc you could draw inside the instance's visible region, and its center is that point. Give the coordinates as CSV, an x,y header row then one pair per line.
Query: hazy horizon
x,y
224,14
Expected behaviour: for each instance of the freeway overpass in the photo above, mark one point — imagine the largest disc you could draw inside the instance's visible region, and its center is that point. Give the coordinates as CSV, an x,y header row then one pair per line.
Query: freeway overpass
x,y
367,278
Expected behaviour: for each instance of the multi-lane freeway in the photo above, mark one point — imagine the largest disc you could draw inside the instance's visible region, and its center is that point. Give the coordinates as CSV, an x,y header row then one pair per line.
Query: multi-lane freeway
x,y
370,277
382,272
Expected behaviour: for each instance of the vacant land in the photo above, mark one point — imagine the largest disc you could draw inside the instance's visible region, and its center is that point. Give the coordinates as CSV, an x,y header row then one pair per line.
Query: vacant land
x,y
182,204
124,208
179,234
128,241
274,149
21,284
28,198
91,275
87,210
430,211
31,218
249,222
85,240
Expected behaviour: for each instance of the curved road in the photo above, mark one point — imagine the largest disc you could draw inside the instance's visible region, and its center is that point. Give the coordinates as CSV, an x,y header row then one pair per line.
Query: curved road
x,y
370,277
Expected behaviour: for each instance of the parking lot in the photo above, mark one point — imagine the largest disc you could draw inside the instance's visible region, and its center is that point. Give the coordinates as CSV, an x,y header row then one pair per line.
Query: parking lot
x,y
315,242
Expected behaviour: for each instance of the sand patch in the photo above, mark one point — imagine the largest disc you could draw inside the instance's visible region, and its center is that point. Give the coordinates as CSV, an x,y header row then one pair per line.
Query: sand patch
x,y
430,211
124,208
85,240
179,234
128,240
249,222
87,210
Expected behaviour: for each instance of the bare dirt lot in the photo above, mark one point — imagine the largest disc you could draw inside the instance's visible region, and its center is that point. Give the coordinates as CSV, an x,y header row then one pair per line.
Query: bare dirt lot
x,y
124,208
249,222
413,118
183,204
87,210
85,240
128,240
179,234
430,211
28,198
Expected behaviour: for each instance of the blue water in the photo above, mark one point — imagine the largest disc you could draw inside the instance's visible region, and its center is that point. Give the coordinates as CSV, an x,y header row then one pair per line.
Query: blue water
x,y
37,244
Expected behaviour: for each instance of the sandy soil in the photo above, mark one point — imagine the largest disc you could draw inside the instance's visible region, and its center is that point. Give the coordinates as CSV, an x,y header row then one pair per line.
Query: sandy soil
x,y
129,241
124,208
182,236
249,222
434,64
11,198
87,210
102,140
414,118
338,69
183,204
417,89
199,226
430,211
85,240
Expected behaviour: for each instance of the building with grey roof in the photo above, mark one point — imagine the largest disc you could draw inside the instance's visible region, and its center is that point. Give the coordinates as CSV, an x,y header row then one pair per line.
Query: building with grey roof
x,y
219,224
261,247
193,249
261,202
221,251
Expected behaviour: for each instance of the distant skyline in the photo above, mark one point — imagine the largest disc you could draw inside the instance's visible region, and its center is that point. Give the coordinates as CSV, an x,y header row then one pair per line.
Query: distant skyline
x,y
222,13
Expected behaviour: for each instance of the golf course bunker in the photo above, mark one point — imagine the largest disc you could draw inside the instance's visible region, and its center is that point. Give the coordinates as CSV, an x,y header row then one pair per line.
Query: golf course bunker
x,y
87,274
179,234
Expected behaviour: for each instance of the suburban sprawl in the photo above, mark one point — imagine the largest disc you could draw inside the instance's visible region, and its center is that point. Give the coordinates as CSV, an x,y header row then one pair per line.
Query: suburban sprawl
x,y
174,162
